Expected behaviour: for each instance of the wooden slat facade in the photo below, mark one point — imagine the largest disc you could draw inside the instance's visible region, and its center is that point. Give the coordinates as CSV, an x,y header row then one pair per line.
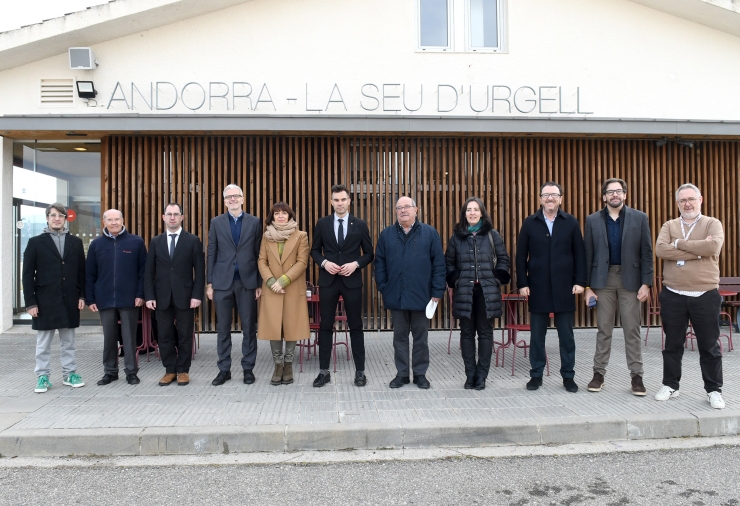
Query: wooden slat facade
x,y
141,174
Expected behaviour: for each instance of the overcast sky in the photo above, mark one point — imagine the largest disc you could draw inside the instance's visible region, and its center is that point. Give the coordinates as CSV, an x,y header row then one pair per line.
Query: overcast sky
x,y
17,13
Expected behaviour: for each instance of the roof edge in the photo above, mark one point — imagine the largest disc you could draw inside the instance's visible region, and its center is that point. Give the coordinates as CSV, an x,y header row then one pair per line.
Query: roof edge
x,y
722,15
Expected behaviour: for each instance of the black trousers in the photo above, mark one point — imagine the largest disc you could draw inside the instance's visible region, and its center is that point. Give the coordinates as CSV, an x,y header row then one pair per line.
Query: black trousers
x,y
537,356
478,322
175,339
676,311
328,307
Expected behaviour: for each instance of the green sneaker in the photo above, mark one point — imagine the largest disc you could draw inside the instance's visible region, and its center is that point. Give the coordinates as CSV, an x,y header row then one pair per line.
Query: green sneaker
x,y
74,380
43,384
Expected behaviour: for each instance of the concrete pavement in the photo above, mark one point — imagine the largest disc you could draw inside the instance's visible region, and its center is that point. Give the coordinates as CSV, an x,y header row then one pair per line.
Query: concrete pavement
x,y
146,419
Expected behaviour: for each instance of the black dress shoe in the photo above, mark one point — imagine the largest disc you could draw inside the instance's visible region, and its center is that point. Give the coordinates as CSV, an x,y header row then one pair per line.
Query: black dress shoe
x,y
132,379
421,381
399,381
570,385
534,383
321,380
469,383
107,378
480,383
248,377
360,379
223,377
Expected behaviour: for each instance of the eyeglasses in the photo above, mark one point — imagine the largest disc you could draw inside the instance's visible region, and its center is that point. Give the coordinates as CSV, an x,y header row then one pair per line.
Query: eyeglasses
x,y
404,208
549,195
232,197
615,192
57,215
689,200
173,215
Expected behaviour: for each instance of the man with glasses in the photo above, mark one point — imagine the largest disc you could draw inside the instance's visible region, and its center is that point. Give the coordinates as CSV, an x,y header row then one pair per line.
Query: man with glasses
x,y
550,270
619,274
114,275
341,248
54,293
174,281
690,246
234,240
410,272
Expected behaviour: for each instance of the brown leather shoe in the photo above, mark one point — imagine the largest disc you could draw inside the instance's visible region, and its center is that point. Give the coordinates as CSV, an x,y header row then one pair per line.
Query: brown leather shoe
x,y
597,383
637,387
167,379
183,378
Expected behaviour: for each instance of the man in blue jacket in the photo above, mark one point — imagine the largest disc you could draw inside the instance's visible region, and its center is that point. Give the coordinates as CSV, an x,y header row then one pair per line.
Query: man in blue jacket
x,y
114,275
410,271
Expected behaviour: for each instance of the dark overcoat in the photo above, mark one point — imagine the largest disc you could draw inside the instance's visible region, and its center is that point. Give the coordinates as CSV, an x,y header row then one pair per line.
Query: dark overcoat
x,y
53,282
550,264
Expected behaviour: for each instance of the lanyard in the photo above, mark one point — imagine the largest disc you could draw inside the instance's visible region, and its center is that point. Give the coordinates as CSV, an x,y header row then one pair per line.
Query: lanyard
x,y
687,234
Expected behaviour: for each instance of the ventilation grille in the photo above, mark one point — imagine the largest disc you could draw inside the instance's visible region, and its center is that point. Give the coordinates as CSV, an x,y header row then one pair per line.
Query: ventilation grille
x,y
57,93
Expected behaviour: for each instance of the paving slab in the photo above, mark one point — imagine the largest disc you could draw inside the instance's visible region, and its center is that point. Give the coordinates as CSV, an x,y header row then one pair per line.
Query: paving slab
x,y
146,419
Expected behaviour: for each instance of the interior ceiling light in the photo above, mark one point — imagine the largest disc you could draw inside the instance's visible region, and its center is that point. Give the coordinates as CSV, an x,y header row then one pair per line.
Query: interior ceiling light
x,y
80,149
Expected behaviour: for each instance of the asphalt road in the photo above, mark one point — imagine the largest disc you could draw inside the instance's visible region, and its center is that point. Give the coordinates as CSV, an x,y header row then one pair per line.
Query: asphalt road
x,y
705,476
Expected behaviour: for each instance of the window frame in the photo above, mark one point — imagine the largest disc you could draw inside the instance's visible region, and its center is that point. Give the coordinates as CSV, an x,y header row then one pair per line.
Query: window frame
x,y
500,26
450,31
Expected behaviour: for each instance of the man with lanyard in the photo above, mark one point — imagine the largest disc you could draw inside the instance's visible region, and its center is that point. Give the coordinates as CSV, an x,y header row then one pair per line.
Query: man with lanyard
x,y
690,246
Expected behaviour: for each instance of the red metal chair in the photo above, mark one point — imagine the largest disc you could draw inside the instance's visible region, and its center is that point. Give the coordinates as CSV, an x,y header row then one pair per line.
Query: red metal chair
x,y
313,325
340,316
512,327
145,320
654,309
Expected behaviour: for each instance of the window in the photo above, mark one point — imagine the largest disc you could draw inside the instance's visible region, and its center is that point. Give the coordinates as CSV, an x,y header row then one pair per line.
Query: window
x,y
434,24
483,32
461,26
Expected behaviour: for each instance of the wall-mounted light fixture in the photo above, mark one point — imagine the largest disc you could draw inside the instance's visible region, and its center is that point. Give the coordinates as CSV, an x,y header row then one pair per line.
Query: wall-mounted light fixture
x,y
661,142
688,144
86,89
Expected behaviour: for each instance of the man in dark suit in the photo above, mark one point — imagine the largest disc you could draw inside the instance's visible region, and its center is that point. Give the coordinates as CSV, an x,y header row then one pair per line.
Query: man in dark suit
x,y
173,286
619,273
550,270
341,247
54,293
234,240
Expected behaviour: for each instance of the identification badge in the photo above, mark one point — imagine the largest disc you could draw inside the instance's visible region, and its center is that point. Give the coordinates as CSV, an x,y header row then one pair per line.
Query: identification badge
x,y
680,263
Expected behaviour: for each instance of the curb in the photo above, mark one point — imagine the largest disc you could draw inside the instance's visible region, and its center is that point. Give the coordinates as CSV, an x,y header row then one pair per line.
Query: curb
x,y
362,436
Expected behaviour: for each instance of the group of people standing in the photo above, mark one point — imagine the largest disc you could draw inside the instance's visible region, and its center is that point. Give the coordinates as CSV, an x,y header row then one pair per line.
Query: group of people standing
x,y
612,266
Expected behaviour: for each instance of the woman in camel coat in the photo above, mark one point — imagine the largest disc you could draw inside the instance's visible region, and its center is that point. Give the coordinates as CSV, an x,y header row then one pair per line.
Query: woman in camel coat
x,y
283,311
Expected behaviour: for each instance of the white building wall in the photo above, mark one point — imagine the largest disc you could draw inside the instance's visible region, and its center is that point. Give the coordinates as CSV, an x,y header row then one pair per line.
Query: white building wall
x,y
609,59
6,225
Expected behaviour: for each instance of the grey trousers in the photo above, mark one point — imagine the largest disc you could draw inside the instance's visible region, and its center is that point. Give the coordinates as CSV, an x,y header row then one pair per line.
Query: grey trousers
x,y
276,347
417,323
43,351
246,305
612,297
129,322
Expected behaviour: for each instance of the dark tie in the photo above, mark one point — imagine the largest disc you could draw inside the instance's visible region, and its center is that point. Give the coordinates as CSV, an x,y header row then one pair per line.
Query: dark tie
x,y
340,234
173,237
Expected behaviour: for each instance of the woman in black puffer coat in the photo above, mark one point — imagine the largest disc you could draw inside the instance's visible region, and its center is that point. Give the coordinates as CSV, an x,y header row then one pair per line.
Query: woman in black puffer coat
x,y
475,275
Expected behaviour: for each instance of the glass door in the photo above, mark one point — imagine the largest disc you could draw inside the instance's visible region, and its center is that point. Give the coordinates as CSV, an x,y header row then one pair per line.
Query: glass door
x,y
30,220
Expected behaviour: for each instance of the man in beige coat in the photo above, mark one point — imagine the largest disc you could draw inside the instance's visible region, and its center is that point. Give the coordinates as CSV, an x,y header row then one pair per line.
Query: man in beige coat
x,y
690,247
283,311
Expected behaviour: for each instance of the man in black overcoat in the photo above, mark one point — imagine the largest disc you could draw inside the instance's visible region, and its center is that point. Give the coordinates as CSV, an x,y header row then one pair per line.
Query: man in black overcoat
x,y
550,270
54,293
174,280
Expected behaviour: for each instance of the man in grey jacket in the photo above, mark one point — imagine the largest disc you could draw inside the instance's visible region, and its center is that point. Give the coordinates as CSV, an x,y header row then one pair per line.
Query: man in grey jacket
x,y
234,240
619,260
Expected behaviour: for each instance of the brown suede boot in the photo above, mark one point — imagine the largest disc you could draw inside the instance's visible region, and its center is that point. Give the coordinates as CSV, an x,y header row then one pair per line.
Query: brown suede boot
x,y
277,376
288,373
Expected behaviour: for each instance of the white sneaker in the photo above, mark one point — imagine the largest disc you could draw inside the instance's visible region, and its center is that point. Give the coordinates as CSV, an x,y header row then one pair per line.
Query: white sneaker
x,y
715,400
665,393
